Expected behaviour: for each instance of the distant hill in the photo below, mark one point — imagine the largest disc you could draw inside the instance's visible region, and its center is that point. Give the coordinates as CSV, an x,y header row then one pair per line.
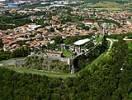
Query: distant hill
x,y
118,1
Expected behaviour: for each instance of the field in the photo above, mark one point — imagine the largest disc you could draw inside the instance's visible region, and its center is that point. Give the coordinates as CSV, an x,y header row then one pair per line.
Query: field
x,y
106,5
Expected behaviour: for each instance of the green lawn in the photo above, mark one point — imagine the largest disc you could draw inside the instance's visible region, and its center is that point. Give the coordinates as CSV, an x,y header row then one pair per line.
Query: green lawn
x,y
67,53
98,63
41,72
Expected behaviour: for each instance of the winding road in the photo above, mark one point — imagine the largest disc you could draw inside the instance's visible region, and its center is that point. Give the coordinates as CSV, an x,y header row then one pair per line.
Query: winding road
x,y
111,42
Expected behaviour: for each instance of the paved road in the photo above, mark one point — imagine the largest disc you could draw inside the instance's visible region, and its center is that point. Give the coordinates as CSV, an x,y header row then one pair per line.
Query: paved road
x,y
13,61
111,42
125,39
115,40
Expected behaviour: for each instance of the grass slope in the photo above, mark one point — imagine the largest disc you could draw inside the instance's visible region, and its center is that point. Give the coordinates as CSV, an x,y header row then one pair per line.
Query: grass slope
x,y
98,63
41,72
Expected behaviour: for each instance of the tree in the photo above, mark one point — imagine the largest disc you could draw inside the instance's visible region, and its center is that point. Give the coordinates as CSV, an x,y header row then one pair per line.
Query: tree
x,y
58,40
4,55
1,43
104,44
21,52
83,26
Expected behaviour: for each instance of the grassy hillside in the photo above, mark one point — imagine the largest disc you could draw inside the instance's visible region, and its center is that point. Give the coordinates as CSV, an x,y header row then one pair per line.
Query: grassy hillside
x,y
107,78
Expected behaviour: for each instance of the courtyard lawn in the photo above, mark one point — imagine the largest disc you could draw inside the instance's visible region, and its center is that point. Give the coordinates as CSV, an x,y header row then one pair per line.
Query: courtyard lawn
x,y
67,53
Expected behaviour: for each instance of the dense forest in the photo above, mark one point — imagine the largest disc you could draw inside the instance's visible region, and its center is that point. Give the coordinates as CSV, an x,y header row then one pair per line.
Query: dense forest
x,y
109,77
